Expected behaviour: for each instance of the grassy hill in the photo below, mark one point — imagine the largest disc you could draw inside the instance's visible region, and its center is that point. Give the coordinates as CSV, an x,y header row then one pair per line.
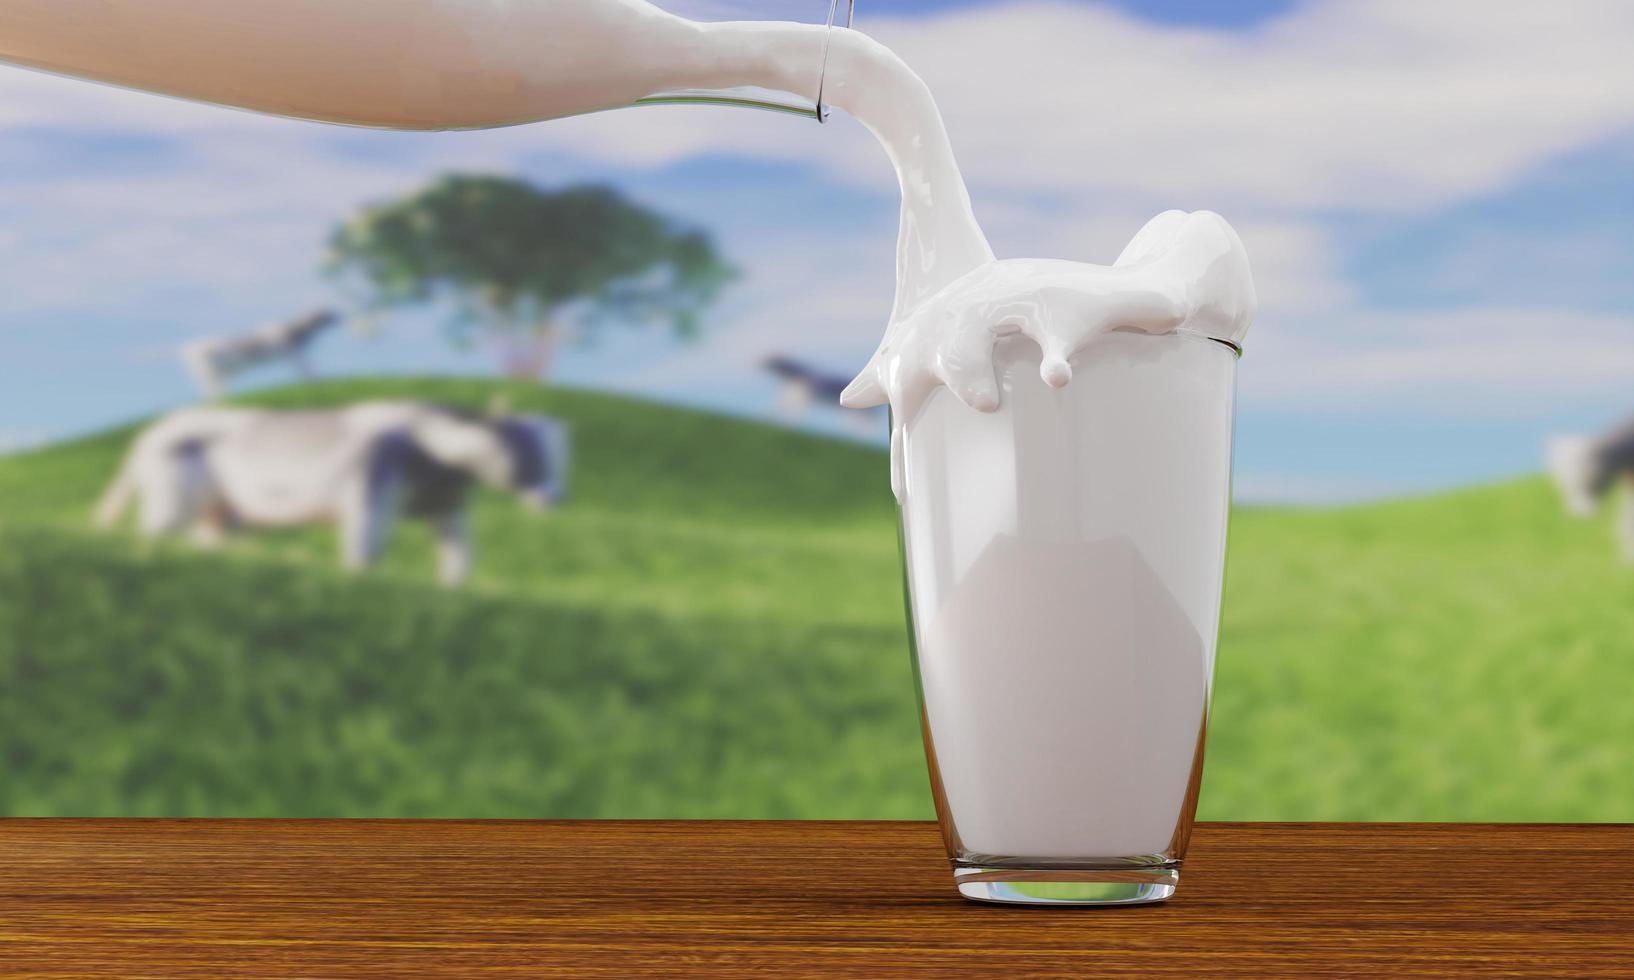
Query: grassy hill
x,y
713,627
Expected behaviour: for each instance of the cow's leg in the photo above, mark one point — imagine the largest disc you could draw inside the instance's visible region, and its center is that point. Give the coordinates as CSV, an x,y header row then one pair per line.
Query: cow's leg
x,y
303,369
796,400
212,515
352,525
206,374
215,520
357,535
454,547
207,533
171,489
862,422
365,518
161,508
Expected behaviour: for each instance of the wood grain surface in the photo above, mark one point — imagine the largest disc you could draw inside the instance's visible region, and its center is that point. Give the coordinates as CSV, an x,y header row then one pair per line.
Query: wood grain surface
x,y
206,898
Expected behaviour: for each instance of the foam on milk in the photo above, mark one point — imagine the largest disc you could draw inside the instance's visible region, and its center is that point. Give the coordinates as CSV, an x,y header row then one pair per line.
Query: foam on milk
x,y
1182,272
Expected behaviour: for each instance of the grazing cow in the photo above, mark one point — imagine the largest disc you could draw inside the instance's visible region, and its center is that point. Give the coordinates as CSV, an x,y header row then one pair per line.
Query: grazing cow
x,y
1585,468
214,360
805,386
210,470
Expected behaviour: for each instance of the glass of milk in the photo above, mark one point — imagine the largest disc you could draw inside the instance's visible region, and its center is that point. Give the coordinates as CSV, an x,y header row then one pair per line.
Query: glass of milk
x,y
1064,557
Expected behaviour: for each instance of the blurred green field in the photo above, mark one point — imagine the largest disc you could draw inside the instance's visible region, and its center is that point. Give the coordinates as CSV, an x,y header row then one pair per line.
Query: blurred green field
x,y
713,627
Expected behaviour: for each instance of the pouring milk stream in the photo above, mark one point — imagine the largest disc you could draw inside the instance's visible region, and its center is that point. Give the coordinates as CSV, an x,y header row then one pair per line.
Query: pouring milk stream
x,y
955,326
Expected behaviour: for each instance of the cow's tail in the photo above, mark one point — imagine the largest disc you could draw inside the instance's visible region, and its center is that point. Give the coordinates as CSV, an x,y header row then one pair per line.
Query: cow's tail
x,y
117,498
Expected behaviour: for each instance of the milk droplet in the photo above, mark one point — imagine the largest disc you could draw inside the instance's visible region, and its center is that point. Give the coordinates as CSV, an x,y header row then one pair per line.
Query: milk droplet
x,y
1055,371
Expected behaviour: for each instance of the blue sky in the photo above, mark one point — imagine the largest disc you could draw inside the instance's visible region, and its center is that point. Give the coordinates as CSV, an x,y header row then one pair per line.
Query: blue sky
x,y
1437,201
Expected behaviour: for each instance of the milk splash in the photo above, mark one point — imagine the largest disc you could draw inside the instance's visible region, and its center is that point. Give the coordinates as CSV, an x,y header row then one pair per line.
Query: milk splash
x,y
955,301
1182,272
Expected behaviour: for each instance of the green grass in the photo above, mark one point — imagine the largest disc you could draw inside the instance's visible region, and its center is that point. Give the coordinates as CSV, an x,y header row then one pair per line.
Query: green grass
x,y
713,627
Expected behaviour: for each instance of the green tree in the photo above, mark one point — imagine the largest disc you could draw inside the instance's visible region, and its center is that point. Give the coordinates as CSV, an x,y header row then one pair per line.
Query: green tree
x,y
522,265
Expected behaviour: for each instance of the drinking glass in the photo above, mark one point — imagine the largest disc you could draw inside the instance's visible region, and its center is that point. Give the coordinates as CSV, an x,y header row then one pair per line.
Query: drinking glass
x,y
1063,559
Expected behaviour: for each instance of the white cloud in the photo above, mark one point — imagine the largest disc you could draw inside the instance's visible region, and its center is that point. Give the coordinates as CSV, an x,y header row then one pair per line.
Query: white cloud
x,y
1490,362
229,222
1379,104
1385,104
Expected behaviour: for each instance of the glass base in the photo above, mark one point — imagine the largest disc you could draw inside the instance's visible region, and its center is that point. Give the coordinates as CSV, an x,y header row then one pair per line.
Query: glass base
x,y
1067,886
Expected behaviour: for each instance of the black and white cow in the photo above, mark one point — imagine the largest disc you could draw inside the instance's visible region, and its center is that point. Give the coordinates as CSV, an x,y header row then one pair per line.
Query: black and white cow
x,y
1585,468
806,386
211,470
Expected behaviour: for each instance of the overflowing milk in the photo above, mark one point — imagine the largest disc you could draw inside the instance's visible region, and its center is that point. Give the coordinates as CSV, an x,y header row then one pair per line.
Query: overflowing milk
x,y
1180,272
1061,464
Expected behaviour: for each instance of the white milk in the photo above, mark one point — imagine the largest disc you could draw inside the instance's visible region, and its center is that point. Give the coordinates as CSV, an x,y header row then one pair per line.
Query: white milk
x,y
1064,554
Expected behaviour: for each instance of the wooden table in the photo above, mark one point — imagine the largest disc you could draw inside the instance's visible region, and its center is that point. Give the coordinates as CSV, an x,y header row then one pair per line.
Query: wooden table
x,y
206,898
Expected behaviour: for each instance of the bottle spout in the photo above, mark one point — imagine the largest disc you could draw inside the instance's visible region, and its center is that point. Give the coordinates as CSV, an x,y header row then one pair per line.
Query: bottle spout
x,y
841,12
